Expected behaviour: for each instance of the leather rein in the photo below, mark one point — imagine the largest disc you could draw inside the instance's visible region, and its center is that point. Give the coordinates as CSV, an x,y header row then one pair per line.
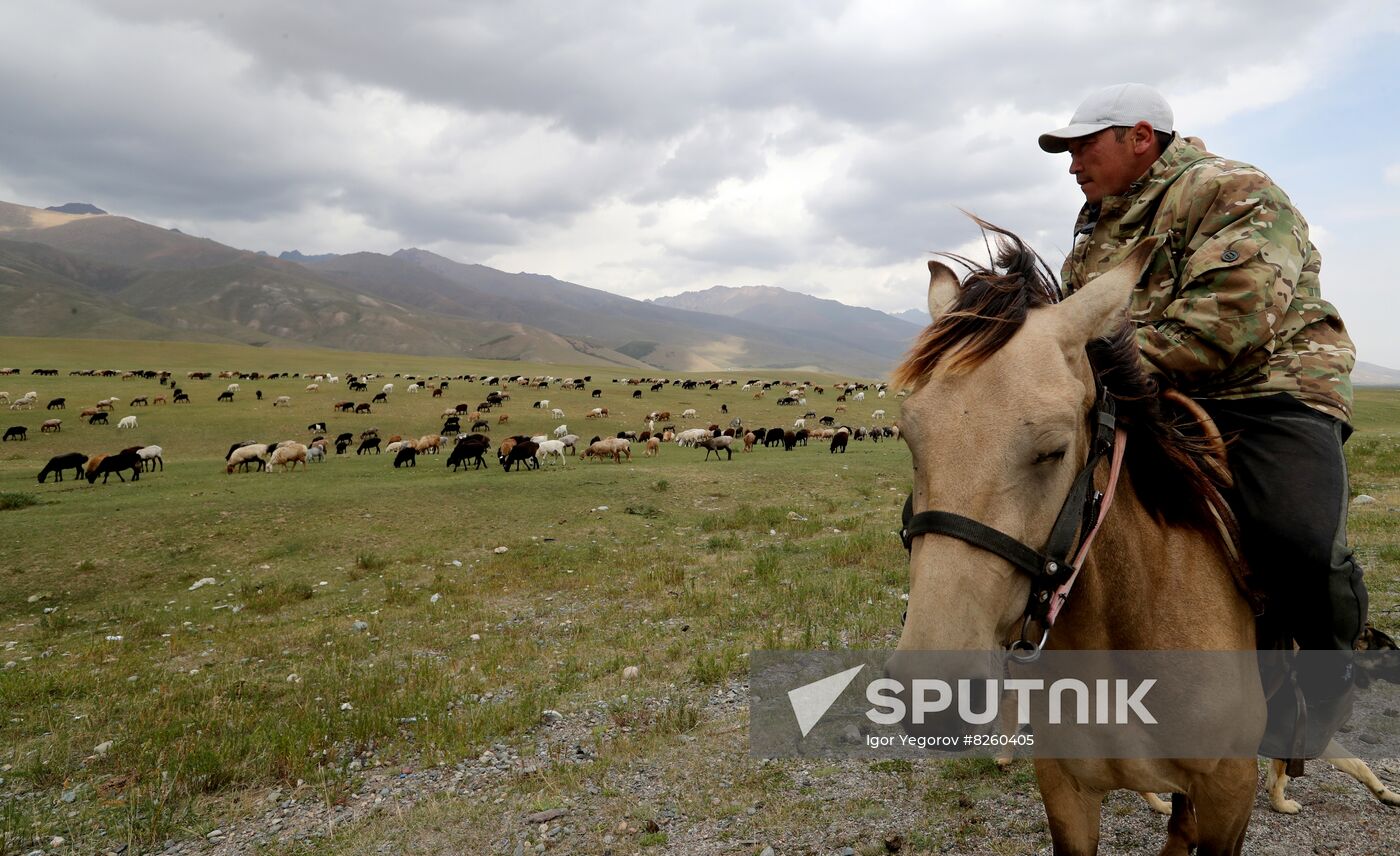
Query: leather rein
x,y
1054,568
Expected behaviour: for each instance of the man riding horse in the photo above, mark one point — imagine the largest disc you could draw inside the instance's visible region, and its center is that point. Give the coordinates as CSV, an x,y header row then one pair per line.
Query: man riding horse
x,y
1229,312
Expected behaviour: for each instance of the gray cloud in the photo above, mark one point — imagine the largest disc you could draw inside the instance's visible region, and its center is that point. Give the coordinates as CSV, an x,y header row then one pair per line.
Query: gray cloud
x,y
828,140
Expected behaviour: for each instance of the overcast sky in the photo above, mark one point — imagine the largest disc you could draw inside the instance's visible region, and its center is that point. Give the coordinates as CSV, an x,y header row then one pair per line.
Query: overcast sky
x,y
653,148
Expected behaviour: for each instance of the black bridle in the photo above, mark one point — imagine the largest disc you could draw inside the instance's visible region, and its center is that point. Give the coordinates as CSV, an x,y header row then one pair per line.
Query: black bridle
x,y
1052,566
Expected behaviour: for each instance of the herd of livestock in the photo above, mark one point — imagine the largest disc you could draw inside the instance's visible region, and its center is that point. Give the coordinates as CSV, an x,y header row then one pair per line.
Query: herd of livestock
x,y
463,448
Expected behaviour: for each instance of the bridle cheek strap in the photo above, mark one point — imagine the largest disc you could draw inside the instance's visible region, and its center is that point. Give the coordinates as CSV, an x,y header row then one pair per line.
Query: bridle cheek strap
x,y
1061,594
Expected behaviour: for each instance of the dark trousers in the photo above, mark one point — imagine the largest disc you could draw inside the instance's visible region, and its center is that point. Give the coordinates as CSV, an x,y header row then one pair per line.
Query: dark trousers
x,y
1291,498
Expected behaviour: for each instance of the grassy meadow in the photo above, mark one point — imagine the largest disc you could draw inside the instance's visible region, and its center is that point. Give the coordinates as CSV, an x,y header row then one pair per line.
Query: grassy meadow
x,y
365,621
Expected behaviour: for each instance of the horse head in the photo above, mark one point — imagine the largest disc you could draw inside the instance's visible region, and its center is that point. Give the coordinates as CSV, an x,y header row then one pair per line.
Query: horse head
x,y
999,427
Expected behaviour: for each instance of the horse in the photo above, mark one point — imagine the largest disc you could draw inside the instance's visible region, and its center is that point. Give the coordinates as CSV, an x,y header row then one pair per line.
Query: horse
x,y
1006,390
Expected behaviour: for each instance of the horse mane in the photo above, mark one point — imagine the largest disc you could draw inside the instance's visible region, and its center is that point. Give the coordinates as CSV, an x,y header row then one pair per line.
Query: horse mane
x,y
1164,461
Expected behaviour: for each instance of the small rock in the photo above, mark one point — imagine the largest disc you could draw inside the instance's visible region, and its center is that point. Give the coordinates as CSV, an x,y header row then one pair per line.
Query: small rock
x,y
360,626
631,673
35,598
70,796
893,843
768,851
214,833
345,705
207,581
848,851
552,716
102,747
475,637
499,550
456,563
57,841
435,598
546,816
1363,499
294,678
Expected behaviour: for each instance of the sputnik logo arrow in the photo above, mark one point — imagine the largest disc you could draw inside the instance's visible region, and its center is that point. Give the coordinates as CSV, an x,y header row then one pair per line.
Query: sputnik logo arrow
x,y
811,701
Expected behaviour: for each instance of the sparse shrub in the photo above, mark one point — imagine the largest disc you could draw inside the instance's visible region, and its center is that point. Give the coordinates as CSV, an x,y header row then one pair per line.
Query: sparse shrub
x,y
10,501
367,561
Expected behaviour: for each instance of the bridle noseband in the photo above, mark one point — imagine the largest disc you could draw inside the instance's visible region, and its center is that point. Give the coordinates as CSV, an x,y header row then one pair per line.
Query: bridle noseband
x,y
1053,568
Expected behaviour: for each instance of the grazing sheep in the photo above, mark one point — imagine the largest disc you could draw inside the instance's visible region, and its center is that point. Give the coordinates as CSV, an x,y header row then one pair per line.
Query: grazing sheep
x,y
232,388
51,426
151,458
405,456
107,403
413,387
688,413
550,449
126,422
561,431
59,463
312,387
57,404
243,456
388,388
570,442
16,432
286,454
877,415
316,427
181,398
108,464
557,413
368,444
282,401
362,408
520,453
717,445
504,418
653,447
839,440
99,417
429,444
468,450
610,448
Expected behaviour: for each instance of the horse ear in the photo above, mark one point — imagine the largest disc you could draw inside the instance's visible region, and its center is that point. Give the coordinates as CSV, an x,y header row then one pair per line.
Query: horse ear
x,y
1097,308
942,288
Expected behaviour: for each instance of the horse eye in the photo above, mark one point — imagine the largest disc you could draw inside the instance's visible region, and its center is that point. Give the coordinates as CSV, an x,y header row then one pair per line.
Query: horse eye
x,y
1049,456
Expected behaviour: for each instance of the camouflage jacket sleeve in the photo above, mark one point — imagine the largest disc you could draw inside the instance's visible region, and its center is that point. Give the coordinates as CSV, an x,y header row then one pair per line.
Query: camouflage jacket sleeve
x,y
1237,248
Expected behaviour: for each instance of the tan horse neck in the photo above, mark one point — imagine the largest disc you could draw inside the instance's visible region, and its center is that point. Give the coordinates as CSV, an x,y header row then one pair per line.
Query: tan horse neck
x,y
1166,587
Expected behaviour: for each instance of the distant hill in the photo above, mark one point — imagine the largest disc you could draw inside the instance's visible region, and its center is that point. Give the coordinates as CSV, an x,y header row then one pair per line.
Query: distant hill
x,y
1370,374
76,208
299,256
99,275
913,316
828,321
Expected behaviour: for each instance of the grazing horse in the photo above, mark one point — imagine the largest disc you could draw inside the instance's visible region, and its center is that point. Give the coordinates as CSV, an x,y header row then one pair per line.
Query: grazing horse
x,y
1002,424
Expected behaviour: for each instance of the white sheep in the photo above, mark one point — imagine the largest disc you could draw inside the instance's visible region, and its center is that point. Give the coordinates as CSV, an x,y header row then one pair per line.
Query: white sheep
x,y
799,423
550,449
233,387
878,415
244,455
151,456
282,401
557,413
287,453
316,452
413,387
312,387
388,387
127,422
688,413
561,431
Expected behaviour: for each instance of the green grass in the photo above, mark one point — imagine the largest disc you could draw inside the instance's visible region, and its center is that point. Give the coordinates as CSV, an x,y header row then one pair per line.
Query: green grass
x,y
215,695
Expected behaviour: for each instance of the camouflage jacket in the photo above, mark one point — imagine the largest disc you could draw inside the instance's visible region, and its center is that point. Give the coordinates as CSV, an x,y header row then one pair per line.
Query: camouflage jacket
x,y
1230,306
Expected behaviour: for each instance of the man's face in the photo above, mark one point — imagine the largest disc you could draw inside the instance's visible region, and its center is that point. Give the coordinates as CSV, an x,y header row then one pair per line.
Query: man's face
x,y
1104,165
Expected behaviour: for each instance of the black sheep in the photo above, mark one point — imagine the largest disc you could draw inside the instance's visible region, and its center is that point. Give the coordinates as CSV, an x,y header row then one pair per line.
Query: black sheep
x,y
59,463
407,457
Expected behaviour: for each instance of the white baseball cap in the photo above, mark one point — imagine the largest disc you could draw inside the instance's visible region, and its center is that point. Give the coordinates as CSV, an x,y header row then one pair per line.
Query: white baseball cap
x,y
1122,105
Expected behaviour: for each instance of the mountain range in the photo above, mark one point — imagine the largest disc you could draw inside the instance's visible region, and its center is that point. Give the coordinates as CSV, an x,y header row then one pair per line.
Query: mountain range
x,y
99,275
75,271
